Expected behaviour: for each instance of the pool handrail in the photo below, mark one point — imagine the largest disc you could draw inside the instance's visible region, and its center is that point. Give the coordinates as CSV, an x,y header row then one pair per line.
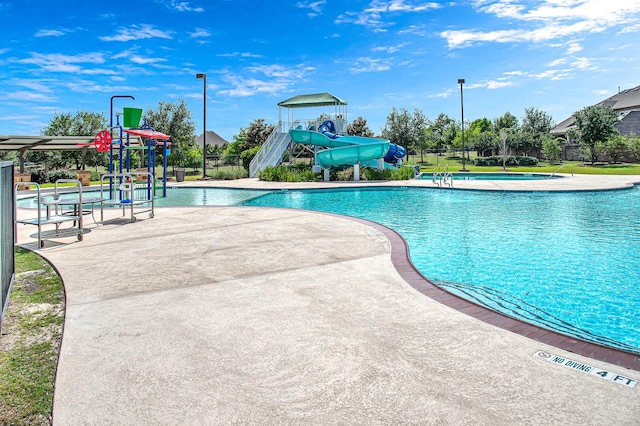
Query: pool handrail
x,y
556,170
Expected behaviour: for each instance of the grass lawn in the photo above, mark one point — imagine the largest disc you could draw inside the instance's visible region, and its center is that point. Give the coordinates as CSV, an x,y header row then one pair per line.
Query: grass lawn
x,y
30,342
431,163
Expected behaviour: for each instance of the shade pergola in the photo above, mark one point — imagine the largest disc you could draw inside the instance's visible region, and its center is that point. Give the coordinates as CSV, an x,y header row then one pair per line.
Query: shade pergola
x,y
310,101
24,144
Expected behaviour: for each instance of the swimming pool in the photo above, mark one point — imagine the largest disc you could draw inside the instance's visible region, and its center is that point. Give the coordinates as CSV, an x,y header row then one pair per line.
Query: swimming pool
x,y
568,261
494,176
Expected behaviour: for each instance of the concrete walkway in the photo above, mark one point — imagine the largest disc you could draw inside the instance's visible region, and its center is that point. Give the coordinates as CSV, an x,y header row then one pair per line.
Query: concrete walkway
x,y
238,315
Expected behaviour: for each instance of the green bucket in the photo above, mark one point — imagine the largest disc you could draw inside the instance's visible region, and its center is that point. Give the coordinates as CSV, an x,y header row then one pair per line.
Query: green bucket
x,y
132,117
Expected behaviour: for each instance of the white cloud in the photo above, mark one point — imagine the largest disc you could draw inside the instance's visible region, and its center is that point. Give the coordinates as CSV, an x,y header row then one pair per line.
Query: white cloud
x,y
137,32
574,48
240,54
200,32
56,62
145,60
601,92
182,6
270,79
583,64
367,64
89,86
419,30
22,95
553,75
493,85
444,94
545,20
630,29
314,6
389,49
373,15
51,33
557,62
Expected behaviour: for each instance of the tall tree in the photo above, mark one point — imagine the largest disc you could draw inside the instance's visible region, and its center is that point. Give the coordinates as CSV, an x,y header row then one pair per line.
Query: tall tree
x,y
83,123
535,124
507,121
481,135
359,128
442,131
420,124
406,129
257,133
594,126
174,119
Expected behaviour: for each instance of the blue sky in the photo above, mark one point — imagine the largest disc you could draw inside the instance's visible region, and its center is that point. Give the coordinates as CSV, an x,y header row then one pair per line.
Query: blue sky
x,y
555,55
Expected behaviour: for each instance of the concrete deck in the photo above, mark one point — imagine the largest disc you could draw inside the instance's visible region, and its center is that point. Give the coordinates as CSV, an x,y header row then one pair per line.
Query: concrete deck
x,y
237,315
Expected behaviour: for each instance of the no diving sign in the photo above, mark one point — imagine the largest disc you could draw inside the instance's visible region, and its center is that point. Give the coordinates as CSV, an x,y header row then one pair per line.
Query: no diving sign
x,y
607,375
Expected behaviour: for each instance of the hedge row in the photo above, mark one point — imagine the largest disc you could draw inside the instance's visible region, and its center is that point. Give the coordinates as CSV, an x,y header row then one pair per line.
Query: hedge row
x,y
510,161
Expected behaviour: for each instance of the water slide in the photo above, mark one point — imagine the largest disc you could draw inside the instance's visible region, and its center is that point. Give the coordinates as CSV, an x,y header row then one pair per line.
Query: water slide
x,y
345,150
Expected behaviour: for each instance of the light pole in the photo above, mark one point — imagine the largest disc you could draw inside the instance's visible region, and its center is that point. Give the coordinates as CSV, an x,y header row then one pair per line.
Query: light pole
x,y
203,76
461,82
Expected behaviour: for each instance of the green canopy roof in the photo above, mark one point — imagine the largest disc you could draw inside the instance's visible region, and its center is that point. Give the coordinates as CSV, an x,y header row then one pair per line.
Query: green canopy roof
x,y
312,100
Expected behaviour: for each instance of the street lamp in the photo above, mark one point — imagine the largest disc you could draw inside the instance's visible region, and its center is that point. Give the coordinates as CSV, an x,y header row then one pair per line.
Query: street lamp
x,y
461,82
203,76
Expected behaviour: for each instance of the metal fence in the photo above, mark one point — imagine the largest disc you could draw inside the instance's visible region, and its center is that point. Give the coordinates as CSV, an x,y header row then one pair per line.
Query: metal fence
x,y
7,230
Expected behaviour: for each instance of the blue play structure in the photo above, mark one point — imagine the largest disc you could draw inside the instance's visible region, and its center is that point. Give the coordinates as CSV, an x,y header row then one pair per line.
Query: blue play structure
x,y
154,141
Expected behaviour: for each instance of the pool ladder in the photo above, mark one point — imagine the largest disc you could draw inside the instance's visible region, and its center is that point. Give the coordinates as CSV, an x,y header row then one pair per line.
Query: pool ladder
x,y
443,178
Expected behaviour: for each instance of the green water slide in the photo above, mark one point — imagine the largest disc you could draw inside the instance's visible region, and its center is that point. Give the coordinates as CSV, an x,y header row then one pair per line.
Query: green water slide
x,y
341,151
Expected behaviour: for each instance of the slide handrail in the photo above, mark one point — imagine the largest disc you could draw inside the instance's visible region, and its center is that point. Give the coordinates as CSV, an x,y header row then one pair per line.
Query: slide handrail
x,y
266,149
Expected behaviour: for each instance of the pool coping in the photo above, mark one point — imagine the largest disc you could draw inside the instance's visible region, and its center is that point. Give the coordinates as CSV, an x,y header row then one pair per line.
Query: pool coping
x,y
403,265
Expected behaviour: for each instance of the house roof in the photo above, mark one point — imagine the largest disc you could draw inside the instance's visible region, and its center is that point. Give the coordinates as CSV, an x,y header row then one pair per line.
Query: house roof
x,y
312,100
626,100
212,139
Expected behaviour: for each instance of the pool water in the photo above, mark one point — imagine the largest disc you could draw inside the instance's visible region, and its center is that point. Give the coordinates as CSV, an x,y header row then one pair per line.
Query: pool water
x,y
568,261
494,176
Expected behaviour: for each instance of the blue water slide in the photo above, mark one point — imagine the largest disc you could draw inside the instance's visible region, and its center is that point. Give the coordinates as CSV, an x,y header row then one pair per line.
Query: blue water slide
x,y
341,150
395,153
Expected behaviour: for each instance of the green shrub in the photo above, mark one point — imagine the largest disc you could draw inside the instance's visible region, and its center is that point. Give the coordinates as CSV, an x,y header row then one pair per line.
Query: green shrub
x,y
496,160
274,174
60,174
229,174
40,176
247,155
95,176
401,173
303,173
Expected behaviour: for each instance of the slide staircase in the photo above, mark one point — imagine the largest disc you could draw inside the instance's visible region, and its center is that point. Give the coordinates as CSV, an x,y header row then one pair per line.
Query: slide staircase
x,y
271,153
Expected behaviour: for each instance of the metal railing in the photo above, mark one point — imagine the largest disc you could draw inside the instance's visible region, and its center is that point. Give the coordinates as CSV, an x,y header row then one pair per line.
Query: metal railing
x,y
447,177
271,152
558,169
254,166
7,235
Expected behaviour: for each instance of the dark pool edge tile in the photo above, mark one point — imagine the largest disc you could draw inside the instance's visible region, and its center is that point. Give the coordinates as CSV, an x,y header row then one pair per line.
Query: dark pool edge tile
x,y
405,268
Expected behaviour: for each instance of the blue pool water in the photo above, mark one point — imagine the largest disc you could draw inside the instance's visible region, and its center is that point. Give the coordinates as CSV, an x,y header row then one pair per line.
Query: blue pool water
x,y
568,261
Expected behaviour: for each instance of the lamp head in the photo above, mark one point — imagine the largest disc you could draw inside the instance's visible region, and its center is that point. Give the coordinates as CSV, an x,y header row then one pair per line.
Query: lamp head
x,y
461,81
201,76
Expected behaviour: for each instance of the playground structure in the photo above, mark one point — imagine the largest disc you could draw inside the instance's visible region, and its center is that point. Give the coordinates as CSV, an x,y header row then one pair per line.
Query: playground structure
x,y
121,146
326,139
